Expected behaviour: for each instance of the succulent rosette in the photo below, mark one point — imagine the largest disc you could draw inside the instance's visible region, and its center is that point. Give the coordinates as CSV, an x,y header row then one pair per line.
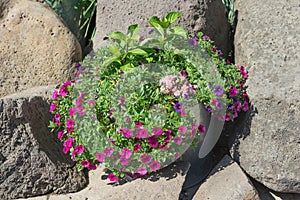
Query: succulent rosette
x,y
134,105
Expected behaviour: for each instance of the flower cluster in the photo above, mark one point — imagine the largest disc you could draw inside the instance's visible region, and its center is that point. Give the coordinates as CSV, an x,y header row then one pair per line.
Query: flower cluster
x,y
108,119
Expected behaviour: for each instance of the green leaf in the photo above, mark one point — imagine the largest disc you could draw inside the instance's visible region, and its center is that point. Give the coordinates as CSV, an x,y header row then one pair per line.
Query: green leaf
x,y
138,51
117,36
177,30
172,16
127,67
114,50
133,30
157,24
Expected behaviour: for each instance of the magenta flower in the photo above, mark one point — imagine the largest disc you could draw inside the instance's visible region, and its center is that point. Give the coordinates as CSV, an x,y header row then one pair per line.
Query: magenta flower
x,y
182,129
178,107
154,165
246,106
152,141
142,170
182,113
232,91
142,133
138,125
112,178
72,111
124,161
136,147
201,128
218,90
100,157
126,132
227,117
60,134
70,130
64,89
77,150
205,37
243,72
55,94
177,140
52,107
70,123
157,131
127,119
68,144
145,158
108,151
88,164
126,153
91,103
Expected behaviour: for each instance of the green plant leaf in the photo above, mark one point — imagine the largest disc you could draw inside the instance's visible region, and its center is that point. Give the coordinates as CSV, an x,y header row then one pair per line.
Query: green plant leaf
x,y
157,24
114,50
177,30
133,30
172,17
117,36
138,51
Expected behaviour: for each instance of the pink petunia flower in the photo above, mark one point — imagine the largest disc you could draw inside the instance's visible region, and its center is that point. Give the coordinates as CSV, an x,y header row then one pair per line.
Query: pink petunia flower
x,y
108,151
100,157
142,133
154,165
126,132
68,144
126,153
201,128
52,107
177,140
124,161
136,147
145,158
112,178
182,129
60,134
157,131
152,141
70,123
142,170
55,94
77,150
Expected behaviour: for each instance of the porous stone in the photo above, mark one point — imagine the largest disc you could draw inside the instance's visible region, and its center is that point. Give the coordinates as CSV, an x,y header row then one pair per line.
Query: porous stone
x,y
227,182
31,161
267,42
207,16
36,48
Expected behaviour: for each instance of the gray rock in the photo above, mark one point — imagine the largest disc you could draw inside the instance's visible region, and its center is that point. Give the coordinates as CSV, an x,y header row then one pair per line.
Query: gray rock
x,y
227,182
267,43
31,161
207,16
35,47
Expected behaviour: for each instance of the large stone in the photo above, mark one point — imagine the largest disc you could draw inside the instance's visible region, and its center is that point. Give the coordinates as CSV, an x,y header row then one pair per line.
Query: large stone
x,y
164,184
227,182
207,16
31,158
267,42
36,48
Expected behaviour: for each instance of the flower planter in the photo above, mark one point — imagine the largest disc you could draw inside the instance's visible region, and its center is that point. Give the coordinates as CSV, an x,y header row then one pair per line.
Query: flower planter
x,y
135,104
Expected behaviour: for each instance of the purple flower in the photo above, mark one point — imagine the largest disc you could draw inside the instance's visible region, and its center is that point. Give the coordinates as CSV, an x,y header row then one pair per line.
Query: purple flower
x,y
193,42
152,141
145,158
227,117
208,109
201,128
126,132
157,131
154,165
232,91
230,107
205,37
219,91
178,107
136,147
